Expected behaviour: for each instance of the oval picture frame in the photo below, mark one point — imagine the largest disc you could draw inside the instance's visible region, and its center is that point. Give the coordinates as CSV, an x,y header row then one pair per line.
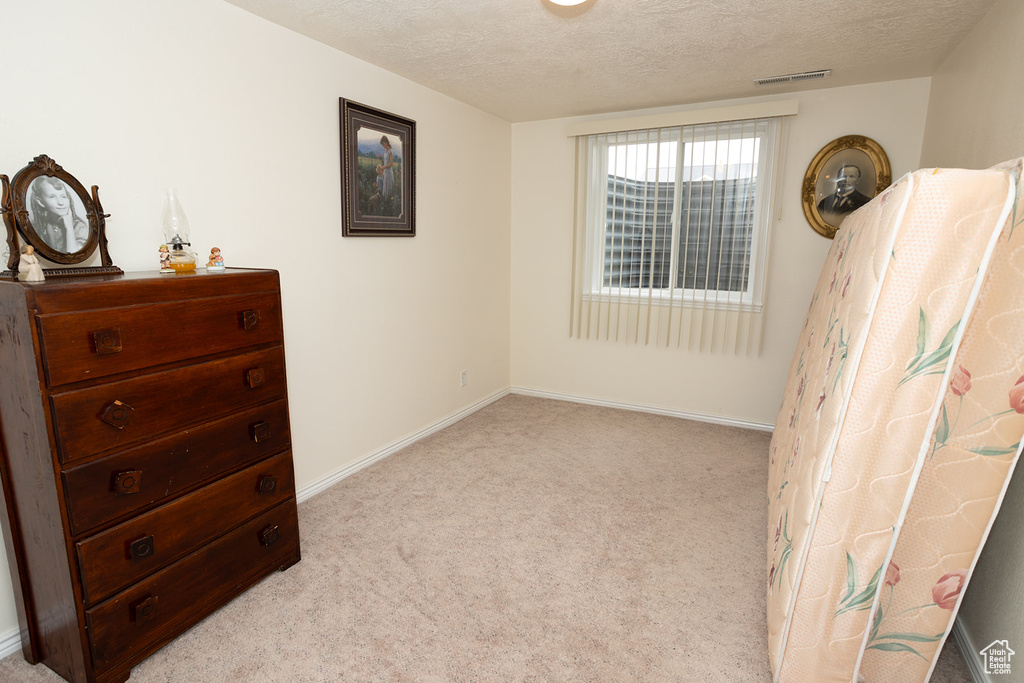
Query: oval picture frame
x,y
65,227
34,219
827,196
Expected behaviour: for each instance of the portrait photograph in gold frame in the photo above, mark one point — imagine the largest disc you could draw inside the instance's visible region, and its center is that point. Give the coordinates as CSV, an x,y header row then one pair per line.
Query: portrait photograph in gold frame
x,y
843,176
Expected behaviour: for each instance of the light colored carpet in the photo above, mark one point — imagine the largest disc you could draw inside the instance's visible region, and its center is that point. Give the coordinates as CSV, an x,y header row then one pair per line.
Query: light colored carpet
x,y
535,540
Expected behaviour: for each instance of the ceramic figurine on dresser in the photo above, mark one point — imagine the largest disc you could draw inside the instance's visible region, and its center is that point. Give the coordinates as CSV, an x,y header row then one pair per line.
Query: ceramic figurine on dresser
x,y
216,261
29,269
165,259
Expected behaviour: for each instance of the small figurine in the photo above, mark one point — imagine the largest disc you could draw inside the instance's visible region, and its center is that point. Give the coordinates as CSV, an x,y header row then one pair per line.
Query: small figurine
x,y
165,259
216,261
29,269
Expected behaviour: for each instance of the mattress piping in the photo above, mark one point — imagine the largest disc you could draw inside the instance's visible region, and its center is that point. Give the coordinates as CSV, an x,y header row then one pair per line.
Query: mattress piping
x,y
972,300
827,472
940,397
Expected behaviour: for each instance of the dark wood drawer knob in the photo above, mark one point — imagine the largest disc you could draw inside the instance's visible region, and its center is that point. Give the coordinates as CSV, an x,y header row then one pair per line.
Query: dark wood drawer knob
x,y
145,610
261,431
256,378
267,485
107,341
269,536
118,414
251,320
128,482
142,548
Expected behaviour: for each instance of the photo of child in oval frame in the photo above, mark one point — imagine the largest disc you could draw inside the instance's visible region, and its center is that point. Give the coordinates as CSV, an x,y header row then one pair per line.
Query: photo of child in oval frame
x,y
57,214
48,208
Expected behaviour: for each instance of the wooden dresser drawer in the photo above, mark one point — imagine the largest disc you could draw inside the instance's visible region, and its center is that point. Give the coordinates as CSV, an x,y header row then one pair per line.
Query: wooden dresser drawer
x,y
115,558
119,414
147,466
105,489
139,619
103,342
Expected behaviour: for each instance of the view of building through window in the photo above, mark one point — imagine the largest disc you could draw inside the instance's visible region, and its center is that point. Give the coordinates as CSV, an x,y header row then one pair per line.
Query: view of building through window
x,y
680,211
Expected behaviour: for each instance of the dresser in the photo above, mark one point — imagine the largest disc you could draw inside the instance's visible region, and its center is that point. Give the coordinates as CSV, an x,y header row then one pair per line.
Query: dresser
x,y
147,471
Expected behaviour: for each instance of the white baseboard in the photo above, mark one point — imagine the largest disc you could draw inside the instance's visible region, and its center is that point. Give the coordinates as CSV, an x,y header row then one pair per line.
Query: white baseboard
x,y
10,643
324,483
969,652
641,408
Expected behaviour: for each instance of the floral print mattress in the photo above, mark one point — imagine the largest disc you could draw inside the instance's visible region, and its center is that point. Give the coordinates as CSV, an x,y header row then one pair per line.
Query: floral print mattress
x,y
899,428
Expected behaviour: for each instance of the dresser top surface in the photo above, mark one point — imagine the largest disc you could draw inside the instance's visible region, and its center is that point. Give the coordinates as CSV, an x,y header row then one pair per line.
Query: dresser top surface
x,y
102,291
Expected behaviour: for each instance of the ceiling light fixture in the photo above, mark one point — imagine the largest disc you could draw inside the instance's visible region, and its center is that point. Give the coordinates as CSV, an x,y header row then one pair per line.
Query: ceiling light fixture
x,y
568,9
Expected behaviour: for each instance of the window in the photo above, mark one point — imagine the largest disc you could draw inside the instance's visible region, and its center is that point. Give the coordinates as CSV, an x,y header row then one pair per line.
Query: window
x,y
678,211
678,217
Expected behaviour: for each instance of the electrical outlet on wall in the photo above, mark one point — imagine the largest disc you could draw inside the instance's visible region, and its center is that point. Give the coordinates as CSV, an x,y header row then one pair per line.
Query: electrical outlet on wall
x,y
463,378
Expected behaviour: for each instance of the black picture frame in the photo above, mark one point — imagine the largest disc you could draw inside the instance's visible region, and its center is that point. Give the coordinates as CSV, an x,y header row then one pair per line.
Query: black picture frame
x,y
65,240
378,172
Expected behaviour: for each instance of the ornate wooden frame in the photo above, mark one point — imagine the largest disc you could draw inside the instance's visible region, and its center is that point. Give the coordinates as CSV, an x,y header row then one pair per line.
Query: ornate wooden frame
x,y
827,162
14,205
356,218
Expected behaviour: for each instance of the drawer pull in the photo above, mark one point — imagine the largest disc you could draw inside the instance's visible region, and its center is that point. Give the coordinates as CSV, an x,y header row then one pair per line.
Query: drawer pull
x,y
145,610
128,482
256,378
107,341
267,485
142,548
251,320
118,414
261,431
269,536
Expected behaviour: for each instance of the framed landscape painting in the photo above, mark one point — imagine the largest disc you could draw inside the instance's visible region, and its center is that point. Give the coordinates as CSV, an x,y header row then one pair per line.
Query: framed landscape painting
x,y
378,172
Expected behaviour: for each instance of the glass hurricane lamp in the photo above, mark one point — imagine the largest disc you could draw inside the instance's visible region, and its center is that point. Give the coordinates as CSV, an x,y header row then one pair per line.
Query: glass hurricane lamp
x,y
176,235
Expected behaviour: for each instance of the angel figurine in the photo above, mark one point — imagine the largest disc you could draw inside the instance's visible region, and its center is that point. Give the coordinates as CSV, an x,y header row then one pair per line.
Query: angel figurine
x,y
29,269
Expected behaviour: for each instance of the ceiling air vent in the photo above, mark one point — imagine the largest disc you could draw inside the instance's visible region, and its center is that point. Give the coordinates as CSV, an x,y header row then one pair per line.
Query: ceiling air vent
x,y
790,78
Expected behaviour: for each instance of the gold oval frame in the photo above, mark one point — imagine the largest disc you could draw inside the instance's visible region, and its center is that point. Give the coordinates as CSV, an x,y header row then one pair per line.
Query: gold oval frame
x,y
809,193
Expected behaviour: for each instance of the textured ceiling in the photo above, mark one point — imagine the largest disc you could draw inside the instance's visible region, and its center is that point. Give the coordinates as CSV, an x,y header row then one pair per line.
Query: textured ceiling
x,y
524,60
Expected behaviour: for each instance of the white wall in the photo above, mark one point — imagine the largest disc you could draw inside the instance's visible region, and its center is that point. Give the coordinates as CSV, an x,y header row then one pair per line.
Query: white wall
x,y
975,120
241,116
545,358
975,113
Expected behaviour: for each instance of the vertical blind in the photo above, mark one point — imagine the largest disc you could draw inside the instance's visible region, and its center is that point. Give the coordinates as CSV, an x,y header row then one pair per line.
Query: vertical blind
x,y
672,230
